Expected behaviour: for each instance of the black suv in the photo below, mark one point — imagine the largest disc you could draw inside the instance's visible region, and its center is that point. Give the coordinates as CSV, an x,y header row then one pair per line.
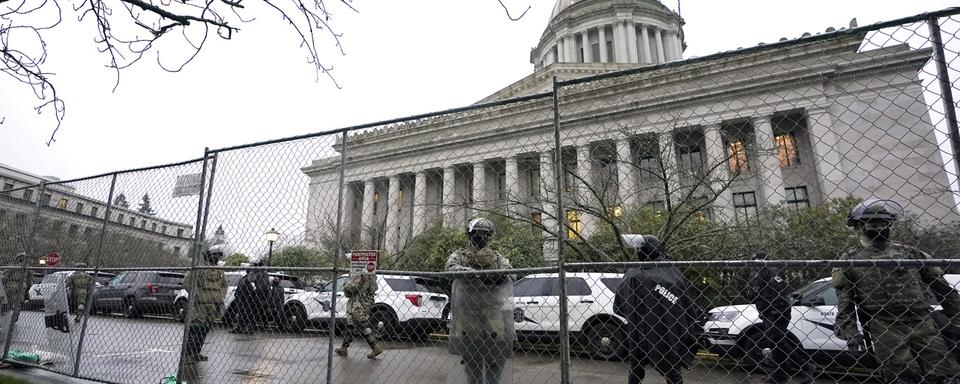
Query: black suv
x,y
135,293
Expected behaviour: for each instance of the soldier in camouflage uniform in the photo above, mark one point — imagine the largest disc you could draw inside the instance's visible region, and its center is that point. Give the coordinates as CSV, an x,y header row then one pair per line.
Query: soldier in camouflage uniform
x,y
78,285
481,313
360,291
207,288
890,303
16,282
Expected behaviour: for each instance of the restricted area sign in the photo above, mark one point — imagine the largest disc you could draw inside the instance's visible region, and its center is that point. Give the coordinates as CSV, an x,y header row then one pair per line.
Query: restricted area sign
x,y
363,262
52,259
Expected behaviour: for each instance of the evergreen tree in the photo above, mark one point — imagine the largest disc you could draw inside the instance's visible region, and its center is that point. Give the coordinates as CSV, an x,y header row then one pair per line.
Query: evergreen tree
x,y
145,207
219,236
121,201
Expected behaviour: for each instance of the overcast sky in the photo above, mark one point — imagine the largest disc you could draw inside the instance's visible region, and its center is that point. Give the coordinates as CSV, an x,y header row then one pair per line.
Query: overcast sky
x,y
402,58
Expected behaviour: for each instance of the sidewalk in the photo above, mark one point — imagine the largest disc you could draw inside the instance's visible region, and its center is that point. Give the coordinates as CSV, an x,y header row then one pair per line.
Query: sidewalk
x,y
39,376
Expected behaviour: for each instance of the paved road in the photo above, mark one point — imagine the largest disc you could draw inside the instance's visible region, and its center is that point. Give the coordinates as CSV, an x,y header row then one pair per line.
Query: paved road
x,y
145,350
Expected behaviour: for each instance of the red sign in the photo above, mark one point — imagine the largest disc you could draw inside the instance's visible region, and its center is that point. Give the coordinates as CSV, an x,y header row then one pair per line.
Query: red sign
x,y
363,262
52,259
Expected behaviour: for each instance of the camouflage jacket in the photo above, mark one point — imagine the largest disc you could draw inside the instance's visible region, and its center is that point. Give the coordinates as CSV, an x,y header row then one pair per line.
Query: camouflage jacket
x,y
78,285
210,286
360,291
888,291
15,283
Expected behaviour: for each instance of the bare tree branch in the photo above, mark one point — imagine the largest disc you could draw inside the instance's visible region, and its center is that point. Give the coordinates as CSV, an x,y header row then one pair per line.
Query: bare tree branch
x,y
505,9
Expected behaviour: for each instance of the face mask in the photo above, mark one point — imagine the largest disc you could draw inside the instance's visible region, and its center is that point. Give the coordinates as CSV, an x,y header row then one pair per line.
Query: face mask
x,y
478,240
877,236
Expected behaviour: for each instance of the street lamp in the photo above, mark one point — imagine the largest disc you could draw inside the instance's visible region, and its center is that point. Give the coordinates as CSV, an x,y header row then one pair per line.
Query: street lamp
x,y
272,236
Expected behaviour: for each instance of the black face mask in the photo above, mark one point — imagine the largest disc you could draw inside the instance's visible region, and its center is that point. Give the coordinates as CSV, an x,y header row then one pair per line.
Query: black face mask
x,y
877,237
478,239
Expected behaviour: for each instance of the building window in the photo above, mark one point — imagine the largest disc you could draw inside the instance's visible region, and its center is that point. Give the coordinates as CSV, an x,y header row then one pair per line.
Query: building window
x,y
132,221
502,185
143,224
94,211
745,203
691,161
797,197
535,180
179,232
163,230
575,226
787,150
79,208
609,51
649,169
7,186
74,228
120,218
28,194
176,251
87,233
595,52
536,220
153,227
63,203
737,157
45,199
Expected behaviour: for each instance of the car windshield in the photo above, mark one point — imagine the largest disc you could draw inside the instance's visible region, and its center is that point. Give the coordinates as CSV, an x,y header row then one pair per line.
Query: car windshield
x,y
288,282
404,285
233,279
340,283
50,279
811,288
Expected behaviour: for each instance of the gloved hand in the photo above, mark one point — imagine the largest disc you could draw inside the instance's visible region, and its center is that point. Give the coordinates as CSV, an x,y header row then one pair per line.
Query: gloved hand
x,y
856,343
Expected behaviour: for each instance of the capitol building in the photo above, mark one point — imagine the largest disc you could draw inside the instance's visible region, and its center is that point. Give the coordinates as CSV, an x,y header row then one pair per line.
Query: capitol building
x,y
786,125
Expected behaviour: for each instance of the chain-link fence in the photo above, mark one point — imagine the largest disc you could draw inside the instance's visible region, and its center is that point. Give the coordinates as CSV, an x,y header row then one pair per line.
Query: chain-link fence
x,y
752,173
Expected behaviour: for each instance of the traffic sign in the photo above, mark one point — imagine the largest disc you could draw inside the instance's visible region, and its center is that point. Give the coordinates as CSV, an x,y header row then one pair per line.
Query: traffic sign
x,y
52,259
363,262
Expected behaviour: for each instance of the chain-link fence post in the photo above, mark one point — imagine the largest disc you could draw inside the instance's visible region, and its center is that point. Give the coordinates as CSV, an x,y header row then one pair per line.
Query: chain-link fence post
x,y
30,249
946,89
197,245
96,272
561,221
336,256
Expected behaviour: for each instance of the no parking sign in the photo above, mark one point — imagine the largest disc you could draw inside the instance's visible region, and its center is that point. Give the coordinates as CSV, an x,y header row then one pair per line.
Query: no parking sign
x,y
363,262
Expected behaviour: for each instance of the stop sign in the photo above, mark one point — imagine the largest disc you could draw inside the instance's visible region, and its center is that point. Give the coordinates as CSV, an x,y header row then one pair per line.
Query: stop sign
x,y
52,259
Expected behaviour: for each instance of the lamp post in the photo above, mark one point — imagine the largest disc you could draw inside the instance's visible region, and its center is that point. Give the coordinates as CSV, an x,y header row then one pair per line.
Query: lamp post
x,y
272,236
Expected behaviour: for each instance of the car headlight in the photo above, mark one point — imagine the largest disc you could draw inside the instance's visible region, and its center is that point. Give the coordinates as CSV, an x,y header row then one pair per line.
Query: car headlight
x,y
724,316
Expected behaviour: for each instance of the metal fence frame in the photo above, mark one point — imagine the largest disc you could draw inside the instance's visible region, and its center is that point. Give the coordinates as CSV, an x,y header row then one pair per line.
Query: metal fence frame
x,y
209,164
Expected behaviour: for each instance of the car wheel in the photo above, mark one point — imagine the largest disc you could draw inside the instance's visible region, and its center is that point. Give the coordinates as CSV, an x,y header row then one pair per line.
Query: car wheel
x,y
385,325
130,309
179,310
295,317
750,349
605,340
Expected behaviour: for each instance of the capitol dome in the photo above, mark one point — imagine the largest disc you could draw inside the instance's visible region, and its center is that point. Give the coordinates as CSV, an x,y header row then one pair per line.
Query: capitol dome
x,y
610,31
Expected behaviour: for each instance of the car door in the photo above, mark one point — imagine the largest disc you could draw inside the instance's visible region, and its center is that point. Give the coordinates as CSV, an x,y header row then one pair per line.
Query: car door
x,y
108,297
816,317
580,303
532,304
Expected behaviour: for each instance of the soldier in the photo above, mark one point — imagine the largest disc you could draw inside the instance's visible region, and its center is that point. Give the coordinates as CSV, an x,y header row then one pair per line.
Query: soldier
x,y
769,293
78,285
890,304
16,282
481,329
360,291
207,288
662,317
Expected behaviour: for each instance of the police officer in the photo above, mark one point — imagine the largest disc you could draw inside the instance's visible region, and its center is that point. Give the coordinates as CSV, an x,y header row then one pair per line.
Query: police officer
x,y
16,282
481,329
78,285
889,301
769,293
661,315
360,291
207,288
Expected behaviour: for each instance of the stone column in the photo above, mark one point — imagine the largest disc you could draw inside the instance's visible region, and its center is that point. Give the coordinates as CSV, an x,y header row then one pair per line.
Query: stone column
x,y
632,41
668,154
678,44
393,204
658,40
571,43
645,45
513,184
827,157
619,43
449,207
367,218
548,203
349,218
602,35
584,195
419,204
559,46
717,160
479,184
587,49
626,182
771,177
667,45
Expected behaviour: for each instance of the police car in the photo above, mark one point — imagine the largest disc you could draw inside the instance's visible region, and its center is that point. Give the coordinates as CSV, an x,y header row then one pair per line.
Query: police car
x,y
736,330
589,306
42,288
402,306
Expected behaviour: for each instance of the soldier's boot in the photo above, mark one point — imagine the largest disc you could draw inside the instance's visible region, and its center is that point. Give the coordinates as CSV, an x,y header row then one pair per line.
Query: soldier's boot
x,y
343,350
375,351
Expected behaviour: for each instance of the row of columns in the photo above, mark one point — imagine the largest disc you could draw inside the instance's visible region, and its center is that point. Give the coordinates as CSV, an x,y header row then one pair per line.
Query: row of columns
x,y
769,172
627,49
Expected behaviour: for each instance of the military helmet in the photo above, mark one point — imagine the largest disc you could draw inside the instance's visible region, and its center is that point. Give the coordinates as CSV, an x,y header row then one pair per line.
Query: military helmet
x,y
217,249
875,210
480,224
20,256
81,265
647,245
